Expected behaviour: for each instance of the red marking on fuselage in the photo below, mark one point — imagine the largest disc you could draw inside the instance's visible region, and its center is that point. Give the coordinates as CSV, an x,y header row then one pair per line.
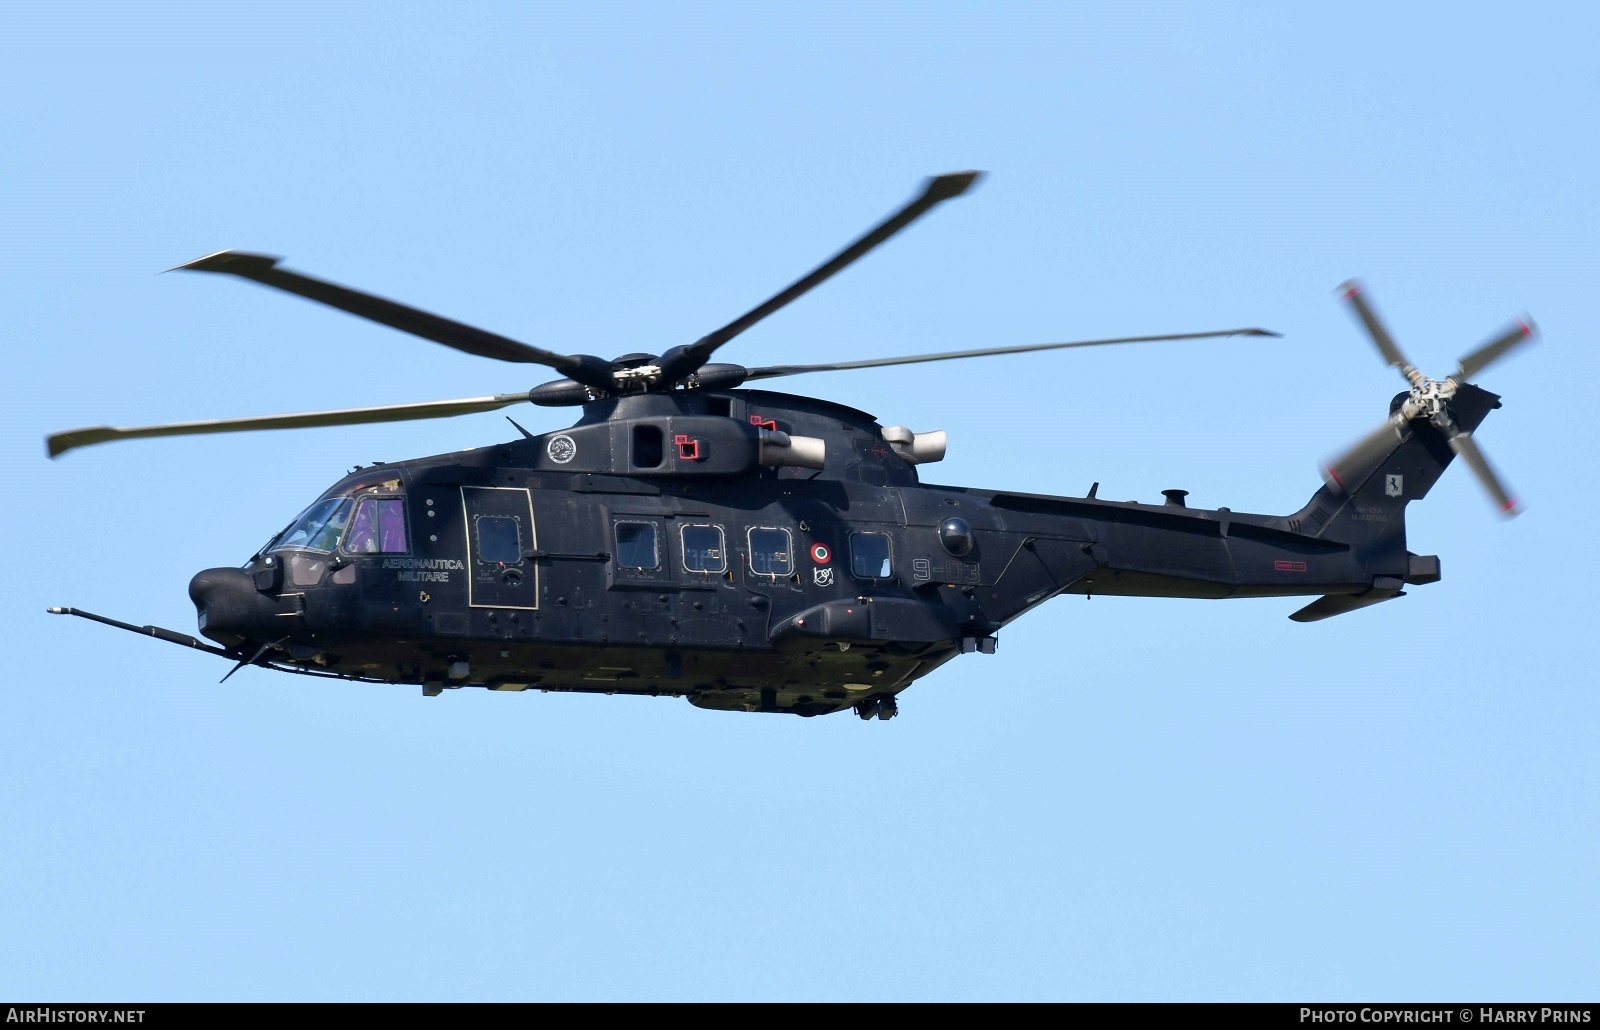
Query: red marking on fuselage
x,y
1289,566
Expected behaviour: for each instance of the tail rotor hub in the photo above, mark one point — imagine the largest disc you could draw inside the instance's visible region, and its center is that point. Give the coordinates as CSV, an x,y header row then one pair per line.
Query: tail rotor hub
x,y
1429,399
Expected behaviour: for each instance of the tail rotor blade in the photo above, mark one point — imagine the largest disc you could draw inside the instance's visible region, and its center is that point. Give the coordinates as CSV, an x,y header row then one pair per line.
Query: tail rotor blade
x,y
1495,349
1354,292
1343,473
1468,448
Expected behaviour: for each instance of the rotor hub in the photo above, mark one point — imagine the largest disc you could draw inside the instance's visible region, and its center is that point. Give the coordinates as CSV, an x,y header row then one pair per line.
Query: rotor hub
x,y
1429,398
647,372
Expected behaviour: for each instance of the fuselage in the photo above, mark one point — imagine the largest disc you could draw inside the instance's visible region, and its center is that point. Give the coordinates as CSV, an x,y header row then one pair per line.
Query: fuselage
x,y
689,544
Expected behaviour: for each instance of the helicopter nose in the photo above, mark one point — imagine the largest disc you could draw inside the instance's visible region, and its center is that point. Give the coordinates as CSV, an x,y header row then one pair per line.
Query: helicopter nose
x,y
228,606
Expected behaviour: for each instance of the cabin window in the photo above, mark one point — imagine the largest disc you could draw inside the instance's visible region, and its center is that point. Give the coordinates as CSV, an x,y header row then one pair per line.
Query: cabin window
x,y
318,527
869,555
636,545
769,552
499,540
378,527
703,550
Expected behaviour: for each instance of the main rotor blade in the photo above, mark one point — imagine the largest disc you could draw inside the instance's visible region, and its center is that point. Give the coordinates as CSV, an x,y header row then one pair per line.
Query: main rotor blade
x,y
263,269
1467,447
682,361
60,443
1342,472
1492,351
1354,293
773,371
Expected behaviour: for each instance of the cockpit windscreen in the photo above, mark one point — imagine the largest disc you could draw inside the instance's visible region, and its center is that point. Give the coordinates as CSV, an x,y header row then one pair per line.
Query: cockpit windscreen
x,y
318,527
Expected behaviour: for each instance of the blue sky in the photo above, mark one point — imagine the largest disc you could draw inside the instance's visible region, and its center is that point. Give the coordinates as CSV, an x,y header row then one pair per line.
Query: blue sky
x,y
1132,800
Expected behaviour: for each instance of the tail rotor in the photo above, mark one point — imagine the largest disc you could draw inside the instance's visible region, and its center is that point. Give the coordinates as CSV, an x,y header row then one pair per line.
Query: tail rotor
x,y
1428,401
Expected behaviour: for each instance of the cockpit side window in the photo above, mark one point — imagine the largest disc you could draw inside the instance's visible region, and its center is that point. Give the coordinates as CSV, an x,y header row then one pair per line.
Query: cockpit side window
x,y
378,527
319,527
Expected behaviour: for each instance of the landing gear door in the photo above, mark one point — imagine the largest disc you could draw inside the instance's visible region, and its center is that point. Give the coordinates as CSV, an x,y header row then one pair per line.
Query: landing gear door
x,y
500,545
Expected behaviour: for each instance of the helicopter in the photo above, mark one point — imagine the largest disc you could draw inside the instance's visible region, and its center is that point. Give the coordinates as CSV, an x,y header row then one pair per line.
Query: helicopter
x,y
747,550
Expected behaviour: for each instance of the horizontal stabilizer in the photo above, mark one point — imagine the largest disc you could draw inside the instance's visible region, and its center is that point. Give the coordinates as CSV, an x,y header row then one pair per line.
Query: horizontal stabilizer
x,y
1329,605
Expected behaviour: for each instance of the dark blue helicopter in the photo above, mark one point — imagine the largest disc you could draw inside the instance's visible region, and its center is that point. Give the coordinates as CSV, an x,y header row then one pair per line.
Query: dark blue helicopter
x,y
750,550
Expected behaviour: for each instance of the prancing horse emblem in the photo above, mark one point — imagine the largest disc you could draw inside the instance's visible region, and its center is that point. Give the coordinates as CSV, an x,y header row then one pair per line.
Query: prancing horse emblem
x,y
822,577
1394,486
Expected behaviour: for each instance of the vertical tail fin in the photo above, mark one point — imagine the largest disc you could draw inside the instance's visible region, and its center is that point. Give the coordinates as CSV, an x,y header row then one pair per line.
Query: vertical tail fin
x,y
1369,506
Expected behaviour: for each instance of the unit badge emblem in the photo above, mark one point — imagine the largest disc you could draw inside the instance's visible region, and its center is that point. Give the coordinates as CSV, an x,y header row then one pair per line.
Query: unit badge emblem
x,y
561,449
